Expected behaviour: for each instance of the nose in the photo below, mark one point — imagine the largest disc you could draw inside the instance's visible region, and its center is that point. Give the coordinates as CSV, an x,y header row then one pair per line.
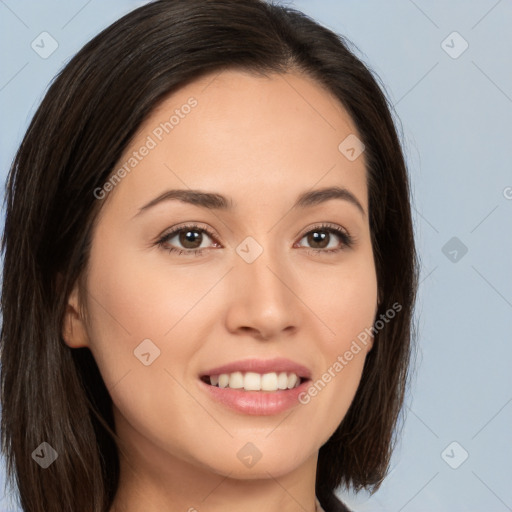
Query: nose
x,y
263,301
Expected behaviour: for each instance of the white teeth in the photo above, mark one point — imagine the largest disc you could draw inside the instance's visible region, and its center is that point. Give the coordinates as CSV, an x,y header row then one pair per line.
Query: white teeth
x,y
292,380
223,380
236,380
282,380
252,381
269,382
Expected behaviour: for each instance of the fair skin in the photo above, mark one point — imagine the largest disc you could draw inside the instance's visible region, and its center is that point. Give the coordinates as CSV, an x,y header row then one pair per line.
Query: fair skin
x,y
262,142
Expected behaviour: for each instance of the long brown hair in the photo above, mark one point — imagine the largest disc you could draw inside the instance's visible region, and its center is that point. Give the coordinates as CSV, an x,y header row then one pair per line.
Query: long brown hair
x,y
51,393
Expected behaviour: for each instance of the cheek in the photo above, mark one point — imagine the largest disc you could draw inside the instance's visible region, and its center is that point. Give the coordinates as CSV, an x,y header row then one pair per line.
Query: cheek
x,y
343,297
139,336
138,295
346,304
133,310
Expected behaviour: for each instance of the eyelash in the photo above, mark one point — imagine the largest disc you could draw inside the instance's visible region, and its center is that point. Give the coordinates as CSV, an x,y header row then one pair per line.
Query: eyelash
x,y
346,239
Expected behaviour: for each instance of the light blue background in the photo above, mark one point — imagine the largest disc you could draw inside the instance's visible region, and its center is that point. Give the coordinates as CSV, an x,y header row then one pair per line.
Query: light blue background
x,y
456,116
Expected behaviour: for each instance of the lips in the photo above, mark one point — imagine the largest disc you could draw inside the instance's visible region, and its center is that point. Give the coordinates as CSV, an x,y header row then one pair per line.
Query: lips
x,y
255,381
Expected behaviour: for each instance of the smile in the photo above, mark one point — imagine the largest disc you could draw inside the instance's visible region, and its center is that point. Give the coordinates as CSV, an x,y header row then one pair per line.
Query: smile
x,y
252,381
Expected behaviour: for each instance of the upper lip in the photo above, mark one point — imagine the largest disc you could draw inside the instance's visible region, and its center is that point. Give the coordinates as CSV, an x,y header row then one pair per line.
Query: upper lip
x,y
277,365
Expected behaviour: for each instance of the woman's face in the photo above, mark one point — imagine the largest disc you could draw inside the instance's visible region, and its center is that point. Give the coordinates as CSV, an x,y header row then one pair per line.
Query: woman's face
x,y
274,281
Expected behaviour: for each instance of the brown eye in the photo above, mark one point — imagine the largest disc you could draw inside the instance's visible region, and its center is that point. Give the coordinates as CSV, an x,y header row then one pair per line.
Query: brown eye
x,y
190,238
318,239
323,239
186,240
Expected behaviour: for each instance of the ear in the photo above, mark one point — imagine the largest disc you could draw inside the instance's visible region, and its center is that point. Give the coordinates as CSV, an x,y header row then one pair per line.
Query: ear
x,y
74,332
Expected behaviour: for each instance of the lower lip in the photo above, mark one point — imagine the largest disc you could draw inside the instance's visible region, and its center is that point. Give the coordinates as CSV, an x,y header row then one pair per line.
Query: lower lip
x,y
261,403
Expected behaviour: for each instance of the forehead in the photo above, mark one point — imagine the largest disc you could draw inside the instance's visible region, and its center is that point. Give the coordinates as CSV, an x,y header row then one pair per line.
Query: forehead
x,y
253,137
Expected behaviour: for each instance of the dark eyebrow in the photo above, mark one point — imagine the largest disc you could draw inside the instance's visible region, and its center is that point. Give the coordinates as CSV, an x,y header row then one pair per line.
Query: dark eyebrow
x,y
315,197
213,201
208,200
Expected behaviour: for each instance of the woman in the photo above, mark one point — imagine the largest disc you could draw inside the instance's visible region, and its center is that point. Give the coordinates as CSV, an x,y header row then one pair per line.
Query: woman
x,y
209,270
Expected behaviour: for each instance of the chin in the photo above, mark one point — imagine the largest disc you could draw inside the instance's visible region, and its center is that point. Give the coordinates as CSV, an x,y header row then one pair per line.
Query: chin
x,y
246,460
